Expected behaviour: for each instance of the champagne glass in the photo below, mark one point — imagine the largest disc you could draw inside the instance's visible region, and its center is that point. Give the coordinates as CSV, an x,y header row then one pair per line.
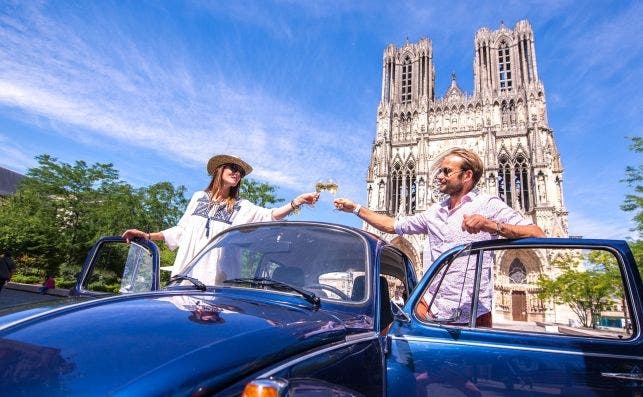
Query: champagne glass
x,y
327,184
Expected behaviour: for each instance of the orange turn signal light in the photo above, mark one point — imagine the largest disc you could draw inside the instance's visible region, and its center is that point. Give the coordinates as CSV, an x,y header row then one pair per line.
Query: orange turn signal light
x,y
271,387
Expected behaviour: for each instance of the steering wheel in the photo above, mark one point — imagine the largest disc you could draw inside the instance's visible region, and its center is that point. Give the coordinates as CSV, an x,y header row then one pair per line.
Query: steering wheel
x,y
330,288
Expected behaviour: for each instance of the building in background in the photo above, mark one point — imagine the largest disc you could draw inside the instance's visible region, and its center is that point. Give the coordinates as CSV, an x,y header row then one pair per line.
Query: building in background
x,y
9,181
504,121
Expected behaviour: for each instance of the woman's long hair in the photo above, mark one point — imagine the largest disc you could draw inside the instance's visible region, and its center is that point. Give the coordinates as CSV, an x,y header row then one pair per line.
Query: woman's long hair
x,y
216,183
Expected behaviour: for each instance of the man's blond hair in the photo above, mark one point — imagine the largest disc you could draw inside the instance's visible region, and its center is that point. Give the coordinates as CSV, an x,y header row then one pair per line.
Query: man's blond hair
x,y
470,161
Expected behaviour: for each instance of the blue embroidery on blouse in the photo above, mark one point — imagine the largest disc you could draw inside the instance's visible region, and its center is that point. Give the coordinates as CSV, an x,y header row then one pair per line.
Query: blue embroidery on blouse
x,y
221,213
202,207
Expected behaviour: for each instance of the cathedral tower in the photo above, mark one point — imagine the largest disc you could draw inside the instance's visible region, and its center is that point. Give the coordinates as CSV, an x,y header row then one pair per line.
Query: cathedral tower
x,y
504,121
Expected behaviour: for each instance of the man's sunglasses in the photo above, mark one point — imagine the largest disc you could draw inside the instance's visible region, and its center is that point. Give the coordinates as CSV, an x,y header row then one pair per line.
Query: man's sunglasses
x,y
235,168
446,171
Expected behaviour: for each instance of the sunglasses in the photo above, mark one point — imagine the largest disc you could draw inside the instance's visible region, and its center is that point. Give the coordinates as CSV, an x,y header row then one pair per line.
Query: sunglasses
x,y
235,168
446,171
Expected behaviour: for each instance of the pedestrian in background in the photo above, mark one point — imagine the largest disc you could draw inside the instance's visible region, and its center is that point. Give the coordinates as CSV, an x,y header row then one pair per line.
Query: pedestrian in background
x,y
7,267
48,284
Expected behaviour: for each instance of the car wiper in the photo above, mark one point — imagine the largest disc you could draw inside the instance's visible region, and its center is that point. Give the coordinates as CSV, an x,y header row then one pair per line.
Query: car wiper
x,y
268,282
198,284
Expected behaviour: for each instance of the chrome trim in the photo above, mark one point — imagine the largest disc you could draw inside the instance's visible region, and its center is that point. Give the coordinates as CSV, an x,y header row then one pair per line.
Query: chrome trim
x,y
625,376
509,347
362,336
349,341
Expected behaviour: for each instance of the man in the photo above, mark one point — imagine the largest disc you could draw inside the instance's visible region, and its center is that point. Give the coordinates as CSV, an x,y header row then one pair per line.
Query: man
x,y
464,217
7,267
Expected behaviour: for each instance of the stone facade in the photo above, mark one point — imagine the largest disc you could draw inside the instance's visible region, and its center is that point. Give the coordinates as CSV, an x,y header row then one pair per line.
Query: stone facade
x,y
504,121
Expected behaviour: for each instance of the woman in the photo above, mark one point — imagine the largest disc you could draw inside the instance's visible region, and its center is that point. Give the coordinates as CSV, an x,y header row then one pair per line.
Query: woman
x,y
215,209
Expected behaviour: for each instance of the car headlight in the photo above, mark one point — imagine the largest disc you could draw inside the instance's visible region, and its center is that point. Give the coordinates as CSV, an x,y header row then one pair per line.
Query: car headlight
x,y
270,387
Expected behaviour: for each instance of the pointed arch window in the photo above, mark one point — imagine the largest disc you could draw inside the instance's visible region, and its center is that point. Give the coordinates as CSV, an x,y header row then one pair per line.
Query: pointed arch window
x,y
407,69
517,272
403,189
396,187
504,180
514,184
504,67
410,188
521,181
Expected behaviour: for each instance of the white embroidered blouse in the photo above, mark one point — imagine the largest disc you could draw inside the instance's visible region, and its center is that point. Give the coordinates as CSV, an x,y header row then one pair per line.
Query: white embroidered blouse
x,y
202,220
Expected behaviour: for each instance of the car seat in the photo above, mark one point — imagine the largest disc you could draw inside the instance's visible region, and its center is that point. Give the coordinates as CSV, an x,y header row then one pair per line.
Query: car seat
x,y
358,293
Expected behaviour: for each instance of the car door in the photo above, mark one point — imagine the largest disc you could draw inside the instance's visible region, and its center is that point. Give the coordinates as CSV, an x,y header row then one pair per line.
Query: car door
x,y
576,332
114,266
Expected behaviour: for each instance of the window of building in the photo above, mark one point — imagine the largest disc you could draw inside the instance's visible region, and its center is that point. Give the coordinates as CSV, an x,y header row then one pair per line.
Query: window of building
x,y
406,80
517,272
513,182
396,187
404,188
504,180
521,182
410,188
525,45
504,67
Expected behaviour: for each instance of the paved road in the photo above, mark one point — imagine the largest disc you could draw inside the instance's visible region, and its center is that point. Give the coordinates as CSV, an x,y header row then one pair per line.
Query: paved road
x,y
12,297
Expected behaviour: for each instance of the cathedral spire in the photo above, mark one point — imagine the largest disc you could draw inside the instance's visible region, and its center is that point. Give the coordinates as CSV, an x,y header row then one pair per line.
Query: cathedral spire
x,y
453,90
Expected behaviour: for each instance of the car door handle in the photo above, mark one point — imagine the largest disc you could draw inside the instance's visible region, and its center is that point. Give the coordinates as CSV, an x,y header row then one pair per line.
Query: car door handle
x,y
622,375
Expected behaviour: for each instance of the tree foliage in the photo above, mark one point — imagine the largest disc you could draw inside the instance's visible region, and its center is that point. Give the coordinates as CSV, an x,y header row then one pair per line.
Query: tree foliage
x,y
634,178
634,202
60,210
588,284
259,193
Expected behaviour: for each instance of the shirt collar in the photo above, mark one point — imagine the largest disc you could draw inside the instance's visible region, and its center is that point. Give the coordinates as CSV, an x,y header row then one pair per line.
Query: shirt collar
x,y
467,198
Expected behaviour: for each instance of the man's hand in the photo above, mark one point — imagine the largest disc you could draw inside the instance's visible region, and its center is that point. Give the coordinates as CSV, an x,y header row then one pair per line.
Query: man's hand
x,y
477,223
344,204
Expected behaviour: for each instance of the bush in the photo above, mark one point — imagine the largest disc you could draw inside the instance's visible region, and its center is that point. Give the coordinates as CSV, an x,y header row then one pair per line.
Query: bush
x,y
21,278
99,286
65,283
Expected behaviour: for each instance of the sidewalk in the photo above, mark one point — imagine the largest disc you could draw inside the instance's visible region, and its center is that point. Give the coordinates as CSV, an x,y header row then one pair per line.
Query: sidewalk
x,y
36,289
13,296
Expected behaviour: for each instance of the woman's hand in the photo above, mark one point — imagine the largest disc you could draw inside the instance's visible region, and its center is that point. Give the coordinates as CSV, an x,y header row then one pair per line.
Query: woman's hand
x,y
129,234
306,198
293,206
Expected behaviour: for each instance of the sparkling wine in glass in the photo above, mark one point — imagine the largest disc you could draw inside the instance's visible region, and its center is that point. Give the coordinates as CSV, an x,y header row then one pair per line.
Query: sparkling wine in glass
x,y
326,184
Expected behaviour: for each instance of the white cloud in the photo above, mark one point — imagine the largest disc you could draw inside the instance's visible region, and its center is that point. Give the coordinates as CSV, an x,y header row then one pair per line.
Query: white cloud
x,y
124,94
593,226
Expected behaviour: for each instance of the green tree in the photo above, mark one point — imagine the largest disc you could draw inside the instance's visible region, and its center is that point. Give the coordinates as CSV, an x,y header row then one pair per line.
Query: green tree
x,y
588,284
634,202
61,209
259,193
634,177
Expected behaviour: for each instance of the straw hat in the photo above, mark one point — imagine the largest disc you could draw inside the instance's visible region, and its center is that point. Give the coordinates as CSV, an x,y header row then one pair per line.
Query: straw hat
x,y
220,159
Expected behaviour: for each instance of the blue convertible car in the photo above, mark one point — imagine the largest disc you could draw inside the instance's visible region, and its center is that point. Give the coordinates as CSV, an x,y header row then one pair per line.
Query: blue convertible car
x,y
306,309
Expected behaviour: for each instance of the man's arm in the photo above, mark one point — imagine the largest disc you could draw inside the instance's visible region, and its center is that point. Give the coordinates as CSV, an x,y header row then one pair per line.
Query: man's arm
x,y
519,231
380,222
477,223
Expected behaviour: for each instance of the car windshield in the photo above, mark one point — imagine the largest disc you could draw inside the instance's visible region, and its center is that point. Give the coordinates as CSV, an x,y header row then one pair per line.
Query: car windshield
x,y
323,260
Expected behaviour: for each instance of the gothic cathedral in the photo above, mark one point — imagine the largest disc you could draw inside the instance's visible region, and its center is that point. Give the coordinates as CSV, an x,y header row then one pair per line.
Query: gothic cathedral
x,y
504,121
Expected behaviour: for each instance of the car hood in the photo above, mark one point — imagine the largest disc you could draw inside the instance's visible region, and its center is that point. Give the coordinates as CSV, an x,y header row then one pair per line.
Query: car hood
x,y
159,343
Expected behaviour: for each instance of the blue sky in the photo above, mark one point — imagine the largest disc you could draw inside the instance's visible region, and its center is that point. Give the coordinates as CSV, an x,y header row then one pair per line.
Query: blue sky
x,y
157,87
